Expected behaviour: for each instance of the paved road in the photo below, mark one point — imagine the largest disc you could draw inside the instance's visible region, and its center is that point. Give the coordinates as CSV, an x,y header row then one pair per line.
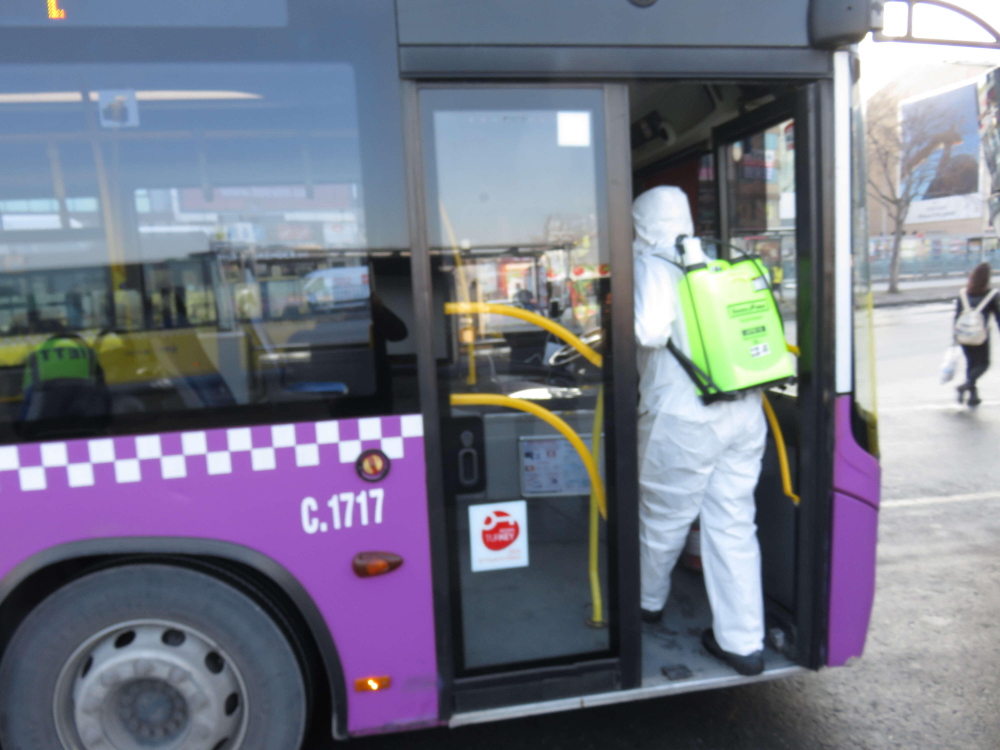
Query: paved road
x,y
930,677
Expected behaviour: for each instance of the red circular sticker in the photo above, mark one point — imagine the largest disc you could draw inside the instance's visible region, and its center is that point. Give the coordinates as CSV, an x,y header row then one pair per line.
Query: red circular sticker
x,y
372,465
499,530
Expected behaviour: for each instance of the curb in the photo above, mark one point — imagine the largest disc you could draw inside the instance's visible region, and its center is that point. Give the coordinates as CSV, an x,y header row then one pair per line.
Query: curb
x,y
912,301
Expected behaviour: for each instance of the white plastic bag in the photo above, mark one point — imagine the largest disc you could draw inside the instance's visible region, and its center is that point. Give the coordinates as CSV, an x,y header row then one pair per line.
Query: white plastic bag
x,y
950,363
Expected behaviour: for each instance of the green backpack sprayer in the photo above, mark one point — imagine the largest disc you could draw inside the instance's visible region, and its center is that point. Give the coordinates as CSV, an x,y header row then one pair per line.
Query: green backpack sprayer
x,y
733,326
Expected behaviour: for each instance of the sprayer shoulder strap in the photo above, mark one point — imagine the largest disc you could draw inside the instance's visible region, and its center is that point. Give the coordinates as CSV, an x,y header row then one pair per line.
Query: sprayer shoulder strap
x,y
707,388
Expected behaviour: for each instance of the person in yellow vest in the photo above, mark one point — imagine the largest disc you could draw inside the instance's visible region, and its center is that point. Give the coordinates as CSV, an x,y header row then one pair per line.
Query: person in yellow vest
x,y
777,276
63,379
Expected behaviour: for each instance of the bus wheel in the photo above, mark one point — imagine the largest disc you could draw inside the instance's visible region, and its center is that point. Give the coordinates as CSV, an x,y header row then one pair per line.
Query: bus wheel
x,y
150,656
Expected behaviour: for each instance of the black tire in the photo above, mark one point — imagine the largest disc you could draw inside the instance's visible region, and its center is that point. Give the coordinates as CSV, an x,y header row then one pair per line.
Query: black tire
x,y
46,641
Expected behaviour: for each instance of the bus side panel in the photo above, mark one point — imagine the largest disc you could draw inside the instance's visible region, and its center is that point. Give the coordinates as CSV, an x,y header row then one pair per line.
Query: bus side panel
x,y
857,487
855,471
852,577
294,493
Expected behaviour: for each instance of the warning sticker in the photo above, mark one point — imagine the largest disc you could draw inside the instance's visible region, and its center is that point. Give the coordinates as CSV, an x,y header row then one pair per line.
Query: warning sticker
x,y
760,350
498,535
551,467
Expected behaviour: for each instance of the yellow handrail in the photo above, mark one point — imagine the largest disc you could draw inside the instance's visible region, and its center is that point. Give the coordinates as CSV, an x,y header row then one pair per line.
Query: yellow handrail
x,y
467,308
779,442
597,614
494,399
463,289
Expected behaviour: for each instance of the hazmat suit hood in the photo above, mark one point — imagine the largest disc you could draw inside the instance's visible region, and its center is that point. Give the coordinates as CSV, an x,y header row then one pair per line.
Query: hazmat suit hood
x,y
660,216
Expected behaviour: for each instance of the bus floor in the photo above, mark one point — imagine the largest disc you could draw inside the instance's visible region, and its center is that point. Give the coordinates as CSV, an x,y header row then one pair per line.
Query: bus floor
x,y
672,650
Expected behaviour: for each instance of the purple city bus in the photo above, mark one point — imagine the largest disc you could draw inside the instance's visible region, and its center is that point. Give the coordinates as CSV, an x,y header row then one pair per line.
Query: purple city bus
x,y
240,513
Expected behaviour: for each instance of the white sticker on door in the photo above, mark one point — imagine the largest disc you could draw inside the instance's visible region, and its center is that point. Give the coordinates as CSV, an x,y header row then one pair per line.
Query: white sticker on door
x,y
573,128
499,535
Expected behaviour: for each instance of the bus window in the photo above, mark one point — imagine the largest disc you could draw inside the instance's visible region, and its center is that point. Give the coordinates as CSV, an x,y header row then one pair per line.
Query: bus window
x,y
207,230
866,410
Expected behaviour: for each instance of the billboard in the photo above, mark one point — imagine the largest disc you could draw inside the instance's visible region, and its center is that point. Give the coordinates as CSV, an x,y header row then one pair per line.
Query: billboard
x,y
942,130
989,135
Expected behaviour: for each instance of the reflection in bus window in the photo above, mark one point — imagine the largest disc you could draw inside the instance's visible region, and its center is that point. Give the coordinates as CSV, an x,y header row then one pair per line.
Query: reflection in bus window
x,y
210,245
761,201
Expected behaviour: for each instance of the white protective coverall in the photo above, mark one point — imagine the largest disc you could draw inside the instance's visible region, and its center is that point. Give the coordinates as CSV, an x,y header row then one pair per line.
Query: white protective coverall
x,y
693,459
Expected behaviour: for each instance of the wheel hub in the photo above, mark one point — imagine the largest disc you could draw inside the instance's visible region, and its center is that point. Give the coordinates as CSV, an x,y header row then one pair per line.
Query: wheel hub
x,y
150,686
153,711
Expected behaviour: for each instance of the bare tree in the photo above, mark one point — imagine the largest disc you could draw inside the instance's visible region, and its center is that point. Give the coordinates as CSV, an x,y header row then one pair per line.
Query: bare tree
x,y
899,164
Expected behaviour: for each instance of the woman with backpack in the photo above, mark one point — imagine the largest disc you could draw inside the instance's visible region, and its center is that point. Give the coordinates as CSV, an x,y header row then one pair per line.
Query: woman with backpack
x,y
972,310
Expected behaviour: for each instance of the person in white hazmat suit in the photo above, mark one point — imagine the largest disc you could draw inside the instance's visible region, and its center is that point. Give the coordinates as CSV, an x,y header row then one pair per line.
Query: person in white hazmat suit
x,y
693,459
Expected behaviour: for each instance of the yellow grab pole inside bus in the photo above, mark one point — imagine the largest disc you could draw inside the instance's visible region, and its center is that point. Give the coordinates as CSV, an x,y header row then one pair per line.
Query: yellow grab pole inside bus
x,y
495,399
779,439
597,614
598,502
779,443
468,308
463,291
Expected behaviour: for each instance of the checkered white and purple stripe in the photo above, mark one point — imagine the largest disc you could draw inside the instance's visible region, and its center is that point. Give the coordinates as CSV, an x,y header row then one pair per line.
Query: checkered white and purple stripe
x,y
122,460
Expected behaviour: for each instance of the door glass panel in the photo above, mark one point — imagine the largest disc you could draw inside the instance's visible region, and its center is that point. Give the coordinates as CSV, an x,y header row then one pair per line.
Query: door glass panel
x,y
761,200
517,231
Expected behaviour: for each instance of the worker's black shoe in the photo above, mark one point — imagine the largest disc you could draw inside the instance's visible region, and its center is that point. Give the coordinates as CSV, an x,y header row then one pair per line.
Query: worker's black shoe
x,y
974,399
750,665
961,392
650,616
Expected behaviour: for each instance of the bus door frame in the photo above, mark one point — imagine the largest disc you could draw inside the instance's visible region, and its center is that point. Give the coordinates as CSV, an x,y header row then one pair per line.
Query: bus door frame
x,y
622,467
811,106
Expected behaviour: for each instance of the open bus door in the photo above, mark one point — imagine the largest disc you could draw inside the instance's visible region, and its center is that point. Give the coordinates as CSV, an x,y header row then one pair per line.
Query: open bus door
x,y
522,225
522,219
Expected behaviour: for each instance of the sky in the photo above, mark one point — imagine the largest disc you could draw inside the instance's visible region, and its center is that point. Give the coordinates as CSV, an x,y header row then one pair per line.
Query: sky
x,y
881,62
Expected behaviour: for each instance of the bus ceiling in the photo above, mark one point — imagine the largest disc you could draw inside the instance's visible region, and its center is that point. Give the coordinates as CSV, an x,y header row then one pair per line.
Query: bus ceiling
x,y
675,119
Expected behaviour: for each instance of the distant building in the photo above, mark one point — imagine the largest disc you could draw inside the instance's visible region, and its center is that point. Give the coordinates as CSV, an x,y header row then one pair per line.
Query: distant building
x,y
951,214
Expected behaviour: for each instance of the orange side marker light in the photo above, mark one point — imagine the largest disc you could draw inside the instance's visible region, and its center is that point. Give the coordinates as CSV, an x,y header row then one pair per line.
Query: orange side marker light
x,y
368,564
372,684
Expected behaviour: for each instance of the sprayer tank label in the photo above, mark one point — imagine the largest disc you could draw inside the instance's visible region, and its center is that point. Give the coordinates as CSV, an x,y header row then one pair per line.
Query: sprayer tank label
x,y
742,309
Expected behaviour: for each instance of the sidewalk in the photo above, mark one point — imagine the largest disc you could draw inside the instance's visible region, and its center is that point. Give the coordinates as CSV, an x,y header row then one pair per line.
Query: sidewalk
x,y
917,292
